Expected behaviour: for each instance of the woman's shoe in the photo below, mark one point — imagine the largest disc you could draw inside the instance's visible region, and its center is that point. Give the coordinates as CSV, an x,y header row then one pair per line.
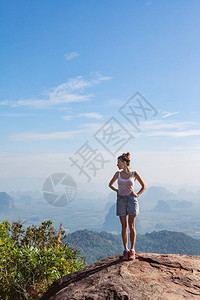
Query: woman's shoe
x,y
125,255
131,254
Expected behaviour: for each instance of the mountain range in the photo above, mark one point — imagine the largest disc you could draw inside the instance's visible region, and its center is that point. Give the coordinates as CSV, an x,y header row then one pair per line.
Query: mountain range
x,y
98,245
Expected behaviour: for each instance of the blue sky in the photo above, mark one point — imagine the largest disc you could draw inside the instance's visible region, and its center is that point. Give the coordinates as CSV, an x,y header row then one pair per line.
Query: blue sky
x,y
68,66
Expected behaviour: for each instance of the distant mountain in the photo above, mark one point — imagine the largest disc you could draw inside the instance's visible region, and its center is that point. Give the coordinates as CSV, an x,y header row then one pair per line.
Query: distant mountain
x,y
162,206
159,193
184,194
171,205
168,242
6,202
180,204
153,194
94,245
108,205
25,199
112,222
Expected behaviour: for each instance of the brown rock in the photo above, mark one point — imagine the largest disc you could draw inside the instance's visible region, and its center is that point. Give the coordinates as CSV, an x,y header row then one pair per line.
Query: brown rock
x,y
149,276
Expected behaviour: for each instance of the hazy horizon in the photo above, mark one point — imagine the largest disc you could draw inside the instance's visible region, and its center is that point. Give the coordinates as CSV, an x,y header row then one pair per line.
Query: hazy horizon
x,y
24,184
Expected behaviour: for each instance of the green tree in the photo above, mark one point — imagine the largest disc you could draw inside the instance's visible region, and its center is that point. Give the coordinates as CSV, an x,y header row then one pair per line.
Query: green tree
x,y
32,259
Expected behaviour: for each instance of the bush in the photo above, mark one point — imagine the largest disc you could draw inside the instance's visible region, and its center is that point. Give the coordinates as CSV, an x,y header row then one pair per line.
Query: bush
x,y
31,260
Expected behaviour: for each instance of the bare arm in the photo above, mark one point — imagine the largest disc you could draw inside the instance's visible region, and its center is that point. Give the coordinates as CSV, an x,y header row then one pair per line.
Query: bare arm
x,y
113,181
140,180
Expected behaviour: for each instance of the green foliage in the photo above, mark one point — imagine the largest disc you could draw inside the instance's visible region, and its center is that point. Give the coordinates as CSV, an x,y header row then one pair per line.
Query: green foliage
x,y
166,242
95,246
31,260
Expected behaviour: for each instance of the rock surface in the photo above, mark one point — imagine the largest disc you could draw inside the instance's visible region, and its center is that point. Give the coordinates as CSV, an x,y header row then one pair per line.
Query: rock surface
x,y
149,276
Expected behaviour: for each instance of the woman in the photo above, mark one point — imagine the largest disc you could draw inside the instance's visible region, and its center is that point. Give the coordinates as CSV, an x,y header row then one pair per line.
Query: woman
x,y
127,203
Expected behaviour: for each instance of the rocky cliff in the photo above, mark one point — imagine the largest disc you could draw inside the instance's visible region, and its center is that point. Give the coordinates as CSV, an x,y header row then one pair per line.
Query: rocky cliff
x,y
149,276
6,202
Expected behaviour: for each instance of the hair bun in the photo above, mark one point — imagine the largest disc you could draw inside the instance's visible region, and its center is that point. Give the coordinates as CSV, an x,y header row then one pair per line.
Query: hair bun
x,y
127,154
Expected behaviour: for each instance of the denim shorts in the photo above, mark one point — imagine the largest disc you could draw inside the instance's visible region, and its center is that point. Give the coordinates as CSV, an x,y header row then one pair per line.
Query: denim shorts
x,y
127,205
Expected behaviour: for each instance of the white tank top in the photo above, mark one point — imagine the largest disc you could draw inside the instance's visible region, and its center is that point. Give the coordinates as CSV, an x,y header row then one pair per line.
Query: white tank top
x,y
125,186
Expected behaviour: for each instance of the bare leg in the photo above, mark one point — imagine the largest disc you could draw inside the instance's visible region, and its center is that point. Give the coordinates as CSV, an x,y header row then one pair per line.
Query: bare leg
x,y
124,230
131,223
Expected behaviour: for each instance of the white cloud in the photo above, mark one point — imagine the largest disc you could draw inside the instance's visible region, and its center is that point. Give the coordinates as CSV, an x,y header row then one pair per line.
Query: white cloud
x,y
62,135
70,85
68,92
71,55
17,115
91,127
54,98
157,128
195,148
92,115
169,114
100,78
162,128
68,118
34,136
6,102
161,124
185,133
